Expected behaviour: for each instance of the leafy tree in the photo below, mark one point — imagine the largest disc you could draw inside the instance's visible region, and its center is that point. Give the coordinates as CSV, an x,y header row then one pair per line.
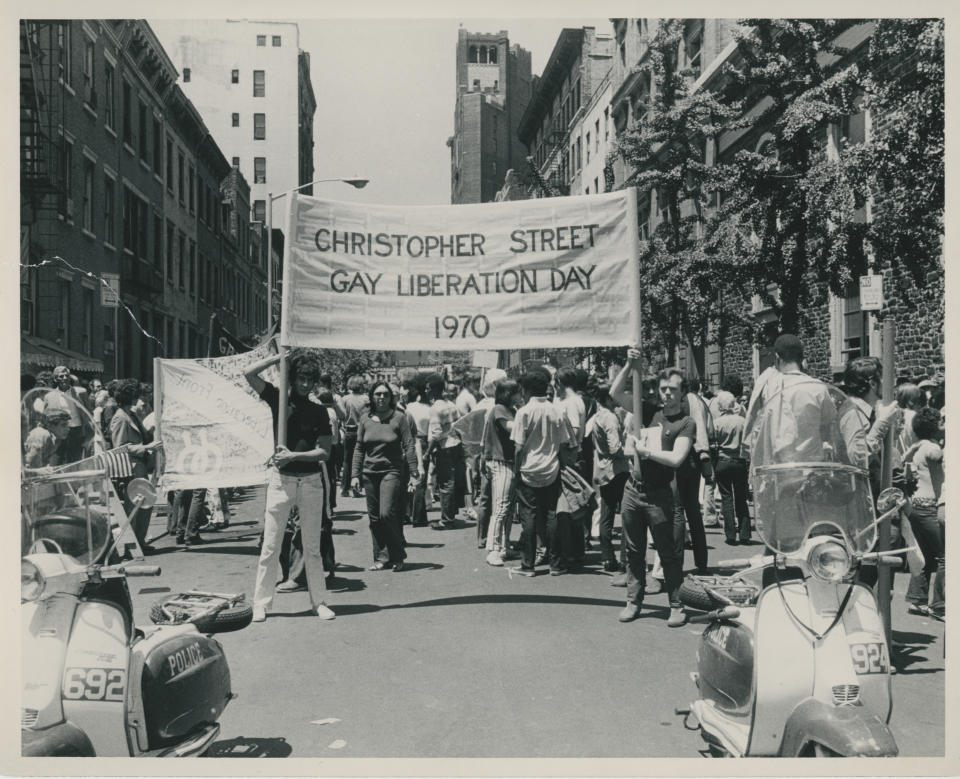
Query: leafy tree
x,y
902,163
789,219
667,150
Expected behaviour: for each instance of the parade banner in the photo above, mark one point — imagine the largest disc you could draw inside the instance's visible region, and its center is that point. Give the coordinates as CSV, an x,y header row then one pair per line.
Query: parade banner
x,y
216,431
551,272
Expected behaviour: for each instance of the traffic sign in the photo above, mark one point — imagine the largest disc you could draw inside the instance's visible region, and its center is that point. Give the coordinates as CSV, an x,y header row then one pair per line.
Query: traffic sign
x,y
871,293
110,290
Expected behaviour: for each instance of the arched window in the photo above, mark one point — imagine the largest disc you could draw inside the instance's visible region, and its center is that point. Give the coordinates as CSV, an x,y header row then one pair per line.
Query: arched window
x,y
473,54
483,54
493,55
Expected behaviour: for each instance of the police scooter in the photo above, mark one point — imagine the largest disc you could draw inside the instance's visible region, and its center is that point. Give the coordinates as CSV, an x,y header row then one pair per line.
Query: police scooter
x,y
793,661
94,684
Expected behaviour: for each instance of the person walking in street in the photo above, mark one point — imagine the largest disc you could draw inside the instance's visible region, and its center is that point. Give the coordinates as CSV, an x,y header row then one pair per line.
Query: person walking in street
x,y
498,460
353,405
539,434
127,431
295,480
384,448
610,470
731,469
446,449
733,384
926,508
687,480
482,502
418,420
648,496
65,396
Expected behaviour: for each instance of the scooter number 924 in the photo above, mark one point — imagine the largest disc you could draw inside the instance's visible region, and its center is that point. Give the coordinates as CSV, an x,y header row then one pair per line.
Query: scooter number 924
x,y
95,684
870,658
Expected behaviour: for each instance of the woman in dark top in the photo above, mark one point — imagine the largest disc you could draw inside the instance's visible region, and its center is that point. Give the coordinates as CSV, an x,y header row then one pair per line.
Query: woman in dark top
x,y
384,444
498,452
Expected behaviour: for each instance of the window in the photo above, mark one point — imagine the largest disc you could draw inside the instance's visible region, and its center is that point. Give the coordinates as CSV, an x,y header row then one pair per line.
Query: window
x,y
261,40
157,147
588,146
142,117
587,191
89,94
109,211
201,204
182,262
87,213
276,41
259,83
579,155
234,76
235,161
235,120
182,330
170,240
260,210
86,340
856,341
596,137
64,46
158,243
692,44
190,195
135,225
180,182
493,55
472,54
596,184
169,165
109,95
186,75
64,323
127,113
259,127
259,170
476,85
606,125
576,96
66,176
483,55
192,278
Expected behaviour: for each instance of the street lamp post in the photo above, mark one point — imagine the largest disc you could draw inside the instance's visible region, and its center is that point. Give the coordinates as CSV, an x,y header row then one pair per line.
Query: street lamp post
x,y
359,183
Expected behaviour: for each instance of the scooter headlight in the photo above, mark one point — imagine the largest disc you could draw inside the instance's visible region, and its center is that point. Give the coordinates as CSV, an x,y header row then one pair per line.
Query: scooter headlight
x,y
31,582
829,561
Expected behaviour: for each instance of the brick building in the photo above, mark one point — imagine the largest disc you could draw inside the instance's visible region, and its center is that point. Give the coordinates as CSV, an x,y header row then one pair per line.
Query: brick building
x,y
110,154
493,88
835,328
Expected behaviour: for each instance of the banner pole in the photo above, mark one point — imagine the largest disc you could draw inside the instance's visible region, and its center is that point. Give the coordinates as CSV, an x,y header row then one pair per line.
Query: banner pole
x,y
633,230
284,311
884,573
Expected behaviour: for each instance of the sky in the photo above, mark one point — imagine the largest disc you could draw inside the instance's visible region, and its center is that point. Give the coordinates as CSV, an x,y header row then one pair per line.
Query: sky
x,y
386,90
385,94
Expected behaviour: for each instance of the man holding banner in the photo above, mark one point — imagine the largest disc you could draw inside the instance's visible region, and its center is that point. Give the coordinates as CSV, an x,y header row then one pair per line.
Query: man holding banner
x,y
295,479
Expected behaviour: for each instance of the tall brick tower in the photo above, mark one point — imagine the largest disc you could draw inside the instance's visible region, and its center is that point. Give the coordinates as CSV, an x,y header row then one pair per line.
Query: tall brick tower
x,y
494,84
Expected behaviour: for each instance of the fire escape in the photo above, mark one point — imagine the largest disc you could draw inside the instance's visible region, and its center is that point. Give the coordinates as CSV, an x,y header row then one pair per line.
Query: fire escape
x,y
41,106
552,179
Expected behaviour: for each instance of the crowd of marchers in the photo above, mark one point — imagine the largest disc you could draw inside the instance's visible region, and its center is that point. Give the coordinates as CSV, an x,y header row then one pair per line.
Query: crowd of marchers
x,y
557,454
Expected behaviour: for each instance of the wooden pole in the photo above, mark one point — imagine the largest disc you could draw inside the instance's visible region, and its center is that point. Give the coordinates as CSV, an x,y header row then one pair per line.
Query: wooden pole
x,y
633,232
884,573
284,311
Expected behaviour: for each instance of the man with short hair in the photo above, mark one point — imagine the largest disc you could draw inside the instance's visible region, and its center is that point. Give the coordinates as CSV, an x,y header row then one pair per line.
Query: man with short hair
x,y
445,446
539,434
295,480
40,448
466,400
64,396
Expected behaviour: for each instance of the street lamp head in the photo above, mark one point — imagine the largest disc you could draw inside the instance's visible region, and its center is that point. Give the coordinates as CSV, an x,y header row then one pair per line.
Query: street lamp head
x,y
358,183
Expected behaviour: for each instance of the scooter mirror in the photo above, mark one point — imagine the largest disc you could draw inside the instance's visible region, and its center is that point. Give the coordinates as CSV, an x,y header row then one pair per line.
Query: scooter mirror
x,y
889,498
141,488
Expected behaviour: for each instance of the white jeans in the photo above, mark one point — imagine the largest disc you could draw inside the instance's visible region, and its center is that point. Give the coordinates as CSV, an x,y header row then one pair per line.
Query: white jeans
x,y
503,497
285,491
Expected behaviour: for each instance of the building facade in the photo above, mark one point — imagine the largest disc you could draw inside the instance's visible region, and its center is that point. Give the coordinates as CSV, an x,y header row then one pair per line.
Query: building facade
x,y
115,184
493,86
251,83
837,328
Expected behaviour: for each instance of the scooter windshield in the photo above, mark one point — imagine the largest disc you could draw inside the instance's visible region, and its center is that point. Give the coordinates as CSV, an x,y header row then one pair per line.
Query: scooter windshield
x,y
804,482
64,491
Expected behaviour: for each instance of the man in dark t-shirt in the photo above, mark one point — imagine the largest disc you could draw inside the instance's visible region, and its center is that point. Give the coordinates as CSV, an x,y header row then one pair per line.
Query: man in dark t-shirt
x,y
295,480
648,496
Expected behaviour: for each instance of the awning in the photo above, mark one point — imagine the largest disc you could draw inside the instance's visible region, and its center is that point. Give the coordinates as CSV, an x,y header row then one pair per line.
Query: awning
x,y
47,354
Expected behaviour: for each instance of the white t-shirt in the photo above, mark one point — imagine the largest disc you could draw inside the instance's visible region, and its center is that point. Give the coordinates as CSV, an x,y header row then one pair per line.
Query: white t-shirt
x,y
575,411
539,432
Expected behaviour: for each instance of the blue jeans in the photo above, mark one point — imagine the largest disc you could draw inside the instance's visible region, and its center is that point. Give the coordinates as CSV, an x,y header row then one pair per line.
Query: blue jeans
x,y
731,476
537,507
610,496
650,509
383,492
927,531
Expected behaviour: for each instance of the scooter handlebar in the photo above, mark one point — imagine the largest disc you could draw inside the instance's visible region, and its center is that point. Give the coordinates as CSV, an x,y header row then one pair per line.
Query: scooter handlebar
x,y
141,570
737,562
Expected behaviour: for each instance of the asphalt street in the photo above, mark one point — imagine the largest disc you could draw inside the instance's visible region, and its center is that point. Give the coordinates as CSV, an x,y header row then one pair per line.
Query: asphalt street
x,y
452,657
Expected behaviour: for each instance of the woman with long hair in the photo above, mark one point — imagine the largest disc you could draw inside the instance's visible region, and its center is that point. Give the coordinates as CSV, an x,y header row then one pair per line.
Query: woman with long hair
x,y
384,447
498,458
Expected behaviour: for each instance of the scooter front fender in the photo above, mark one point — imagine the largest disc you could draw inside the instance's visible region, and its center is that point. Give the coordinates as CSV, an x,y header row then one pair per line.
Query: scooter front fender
x,y
849,731
63,740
